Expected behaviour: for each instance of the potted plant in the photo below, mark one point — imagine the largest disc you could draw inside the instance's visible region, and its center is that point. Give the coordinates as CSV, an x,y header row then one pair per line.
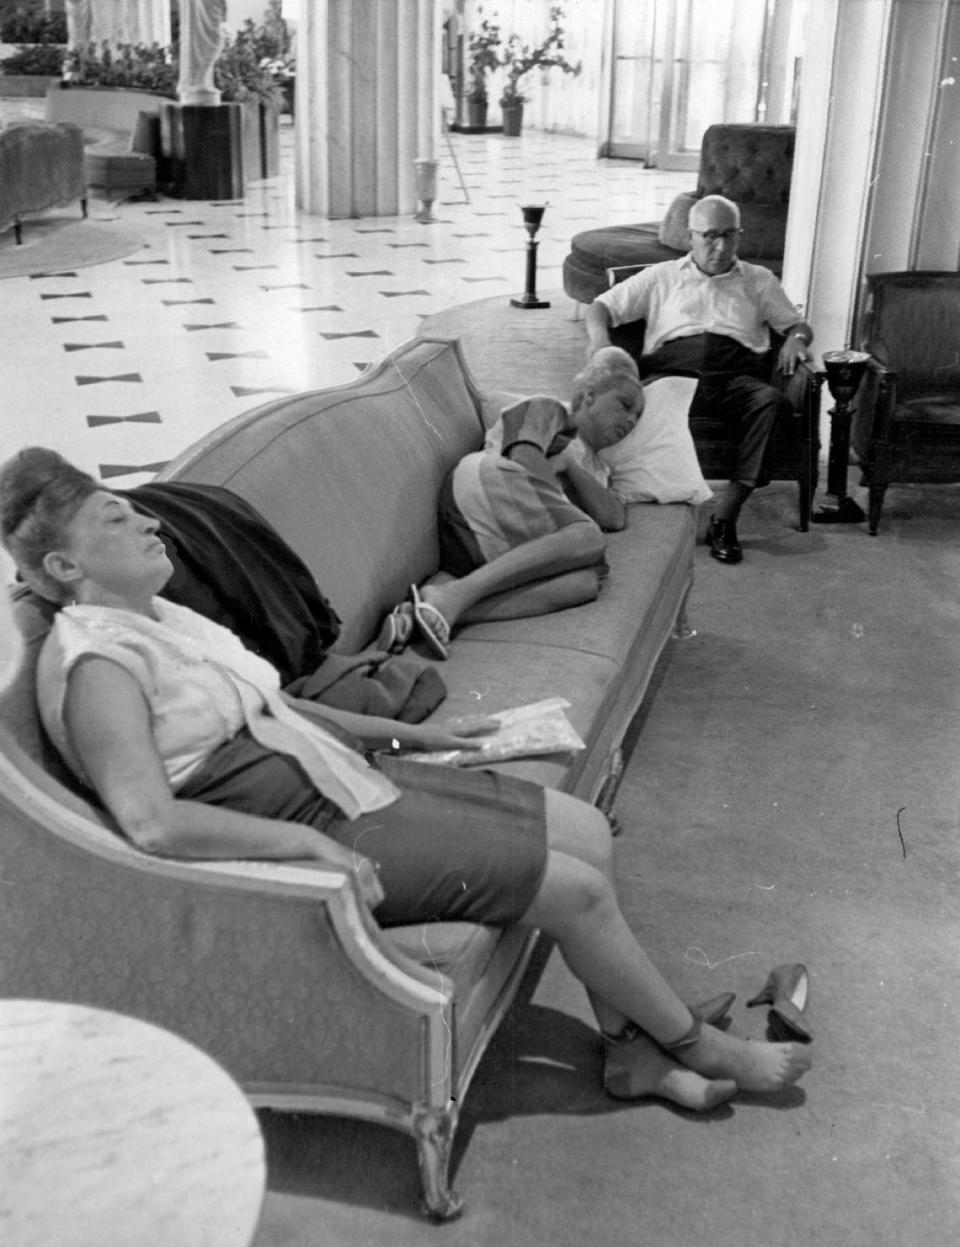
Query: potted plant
x,y
245,77
40,40
128,67
481,58
272,43
519,59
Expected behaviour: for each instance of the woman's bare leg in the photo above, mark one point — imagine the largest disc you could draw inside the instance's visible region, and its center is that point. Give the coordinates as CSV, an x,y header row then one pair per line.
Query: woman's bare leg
x,y
538,597
576,905
569,549
639,1067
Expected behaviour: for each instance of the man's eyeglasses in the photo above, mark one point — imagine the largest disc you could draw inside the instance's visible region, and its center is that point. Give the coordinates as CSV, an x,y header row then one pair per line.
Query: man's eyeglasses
x,y
718,235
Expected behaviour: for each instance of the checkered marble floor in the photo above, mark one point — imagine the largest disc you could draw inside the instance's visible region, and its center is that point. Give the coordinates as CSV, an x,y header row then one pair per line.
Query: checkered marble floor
x,y
228,304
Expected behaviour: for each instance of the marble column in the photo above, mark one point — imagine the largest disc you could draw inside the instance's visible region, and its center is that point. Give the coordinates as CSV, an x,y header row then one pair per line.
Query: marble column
x,y
201,38
368,104
842,85
118,21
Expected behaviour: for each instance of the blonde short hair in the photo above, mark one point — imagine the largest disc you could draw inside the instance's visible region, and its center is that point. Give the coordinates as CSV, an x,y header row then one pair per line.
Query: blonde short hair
x,y
606,368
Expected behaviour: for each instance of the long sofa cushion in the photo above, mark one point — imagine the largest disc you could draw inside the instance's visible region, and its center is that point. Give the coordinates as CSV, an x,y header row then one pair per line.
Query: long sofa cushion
x,y
598,655
337,455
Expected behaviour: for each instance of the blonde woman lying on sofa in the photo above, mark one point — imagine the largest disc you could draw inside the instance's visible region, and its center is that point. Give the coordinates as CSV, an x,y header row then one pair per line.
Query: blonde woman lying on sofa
x,y
189,742
522,521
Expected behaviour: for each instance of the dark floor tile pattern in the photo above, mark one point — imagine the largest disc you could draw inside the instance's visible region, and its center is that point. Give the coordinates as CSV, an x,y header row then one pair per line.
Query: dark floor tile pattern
x,y
137,417
215,356
131,377
93,346
109,471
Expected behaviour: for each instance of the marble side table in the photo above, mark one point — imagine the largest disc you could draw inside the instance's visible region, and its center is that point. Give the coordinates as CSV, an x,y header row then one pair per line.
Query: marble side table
x,y
115,1131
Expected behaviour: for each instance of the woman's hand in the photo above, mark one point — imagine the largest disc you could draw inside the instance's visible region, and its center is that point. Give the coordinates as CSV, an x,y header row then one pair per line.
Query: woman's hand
x,y
467,732
368,880
338,856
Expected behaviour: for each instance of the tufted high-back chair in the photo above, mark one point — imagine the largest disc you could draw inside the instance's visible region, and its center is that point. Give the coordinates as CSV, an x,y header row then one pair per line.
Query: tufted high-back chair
x,y
748,163
906,424
752,165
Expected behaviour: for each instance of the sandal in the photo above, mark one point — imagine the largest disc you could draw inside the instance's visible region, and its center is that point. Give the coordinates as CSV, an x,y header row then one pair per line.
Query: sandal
x,y
434,629
396,633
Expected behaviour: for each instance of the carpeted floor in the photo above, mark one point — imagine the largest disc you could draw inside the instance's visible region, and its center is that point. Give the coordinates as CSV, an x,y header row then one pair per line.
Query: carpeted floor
x,y
61,240
809,725
791,795
530,350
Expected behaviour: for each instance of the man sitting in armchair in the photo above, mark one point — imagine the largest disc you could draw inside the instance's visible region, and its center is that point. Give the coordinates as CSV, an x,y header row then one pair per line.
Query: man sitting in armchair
x,y
709,315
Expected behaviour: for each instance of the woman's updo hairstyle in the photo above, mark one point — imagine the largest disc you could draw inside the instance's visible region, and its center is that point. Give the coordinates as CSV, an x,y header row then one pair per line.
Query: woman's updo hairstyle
x,y
40,493
607,368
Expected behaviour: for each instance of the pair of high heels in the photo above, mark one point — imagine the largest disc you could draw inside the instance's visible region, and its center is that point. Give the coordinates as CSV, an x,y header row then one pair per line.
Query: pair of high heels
x,y
786,992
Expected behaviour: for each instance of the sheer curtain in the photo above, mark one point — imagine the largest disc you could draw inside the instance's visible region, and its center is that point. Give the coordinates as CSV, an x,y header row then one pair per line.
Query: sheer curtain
x,y
655,73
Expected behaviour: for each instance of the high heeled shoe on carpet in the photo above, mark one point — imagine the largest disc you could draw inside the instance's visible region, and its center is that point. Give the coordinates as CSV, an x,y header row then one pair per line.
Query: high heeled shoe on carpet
x,y
786,991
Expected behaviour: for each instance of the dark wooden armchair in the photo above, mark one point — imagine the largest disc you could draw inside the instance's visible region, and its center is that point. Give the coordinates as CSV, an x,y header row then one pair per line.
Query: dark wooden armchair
x,y
906,423
795,445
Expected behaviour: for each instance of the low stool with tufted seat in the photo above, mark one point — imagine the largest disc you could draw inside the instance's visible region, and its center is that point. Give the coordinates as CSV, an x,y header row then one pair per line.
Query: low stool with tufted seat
x,y
750,164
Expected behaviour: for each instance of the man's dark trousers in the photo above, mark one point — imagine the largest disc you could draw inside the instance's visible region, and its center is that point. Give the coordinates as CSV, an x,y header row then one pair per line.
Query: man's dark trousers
x,y
731,390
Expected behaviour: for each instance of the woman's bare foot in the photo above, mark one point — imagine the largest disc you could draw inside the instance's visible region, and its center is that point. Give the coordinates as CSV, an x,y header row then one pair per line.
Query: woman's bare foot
x,y
445,597
639,1067
396,631
754,1065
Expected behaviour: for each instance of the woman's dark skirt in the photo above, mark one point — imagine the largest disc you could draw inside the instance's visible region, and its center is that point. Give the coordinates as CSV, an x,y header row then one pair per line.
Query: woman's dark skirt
x,y
458,844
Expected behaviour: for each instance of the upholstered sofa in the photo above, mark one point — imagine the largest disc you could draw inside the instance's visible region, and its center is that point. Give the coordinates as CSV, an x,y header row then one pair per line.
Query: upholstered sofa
x,y
750,164
41,166
279,972
121,133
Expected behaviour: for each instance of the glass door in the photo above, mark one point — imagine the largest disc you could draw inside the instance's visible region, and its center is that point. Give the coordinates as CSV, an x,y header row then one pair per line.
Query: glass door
x,y
637,79
680,66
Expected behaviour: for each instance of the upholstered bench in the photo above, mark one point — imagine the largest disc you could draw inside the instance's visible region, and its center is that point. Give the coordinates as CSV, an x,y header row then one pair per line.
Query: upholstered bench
x,y
120,133
750,164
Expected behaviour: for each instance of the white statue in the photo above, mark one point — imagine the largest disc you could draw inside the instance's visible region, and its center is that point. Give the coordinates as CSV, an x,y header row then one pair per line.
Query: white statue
x,y
201,38
117,21
79,24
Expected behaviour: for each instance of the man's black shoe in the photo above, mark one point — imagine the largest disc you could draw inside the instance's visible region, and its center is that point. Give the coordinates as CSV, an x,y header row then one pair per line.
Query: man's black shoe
x,y
723,542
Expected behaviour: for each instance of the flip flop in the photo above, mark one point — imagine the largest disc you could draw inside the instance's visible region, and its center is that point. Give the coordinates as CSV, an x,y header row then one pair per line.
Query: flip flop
x,y
396,632
433,627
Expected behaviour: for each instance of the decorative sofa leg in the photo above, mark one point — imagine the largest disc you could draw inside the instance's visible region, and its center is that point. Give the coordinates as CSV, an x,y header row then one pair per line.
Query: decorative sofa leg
x,y
433,1130
83,205
681,625
608,789
17,230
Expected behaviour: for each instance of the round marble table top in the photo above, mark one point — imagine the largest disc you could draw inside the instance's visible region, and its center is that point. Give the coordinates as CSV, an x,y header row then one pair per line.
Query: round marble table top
x,y
113,1131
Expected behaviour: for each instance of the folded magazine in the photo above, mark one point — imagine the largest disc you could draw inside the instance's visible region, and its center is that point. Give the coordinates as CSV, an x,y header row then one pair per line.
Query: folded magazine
x,y
525,732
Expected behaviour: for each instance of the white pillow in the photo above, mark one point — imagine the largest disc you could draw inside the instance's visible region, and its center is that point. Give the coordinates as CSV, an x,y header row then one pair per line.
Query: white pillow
x,y
657,461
